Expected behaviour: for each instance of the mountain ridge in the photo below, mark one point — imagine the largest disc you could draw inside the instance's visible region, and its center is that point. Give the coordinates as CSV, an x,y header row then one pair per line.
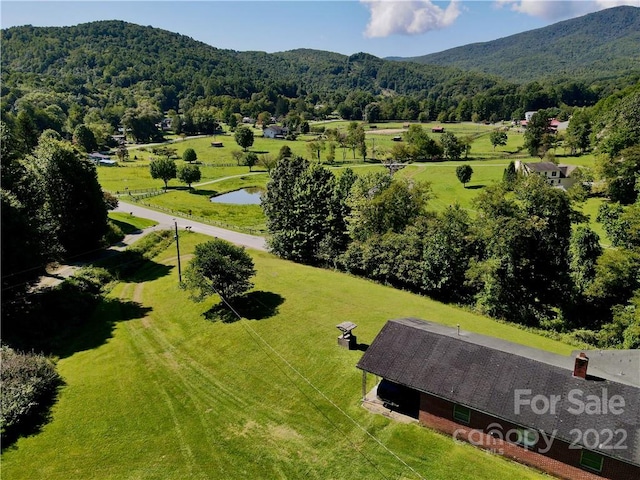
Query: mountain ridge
x,y
602,44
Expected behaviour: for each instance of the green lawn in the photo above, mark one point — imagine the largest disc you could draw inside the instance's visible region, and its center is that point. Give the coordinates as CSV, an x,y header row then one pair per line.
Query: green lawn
x,y
130,224
488,165
445,184
197,203
172,395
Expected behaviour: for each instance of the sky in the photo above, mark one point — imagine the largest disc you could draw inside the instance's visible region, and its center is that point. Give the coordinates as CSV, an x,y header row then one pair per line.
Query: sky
x,y
403,28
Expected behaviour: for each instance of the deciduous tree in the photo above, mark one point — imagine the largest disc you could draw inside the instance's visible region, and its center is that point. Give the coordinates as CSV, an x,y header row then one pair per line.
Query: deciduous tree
x,y
537,137
83,137
498,138
189,155
163,168
464,172
219,268
298,205
122,153
451,146
244,137
73,195
189,174
250,160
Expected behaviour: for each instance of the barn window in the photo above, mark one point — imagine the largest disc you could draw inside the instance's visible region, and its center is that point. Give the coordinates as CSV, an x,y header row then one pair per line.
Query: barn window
x,y
591,460
461,414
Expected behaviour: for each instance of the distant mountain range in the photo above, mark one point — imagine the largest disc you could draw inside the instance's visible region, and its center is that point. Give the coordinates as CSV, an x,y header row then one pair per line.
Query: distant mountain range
x,y
120,54
600,45
114,64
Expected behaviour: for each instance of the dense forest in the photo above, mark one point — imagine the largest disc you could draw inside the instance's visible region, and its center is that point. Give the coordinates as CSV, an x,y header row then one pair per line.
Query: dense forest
x,y
597,47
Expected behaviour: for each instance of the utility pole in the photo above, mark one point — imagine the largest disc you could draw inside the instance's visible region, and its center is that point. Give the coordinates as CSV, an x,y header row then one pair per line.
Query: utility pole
x,y
178,249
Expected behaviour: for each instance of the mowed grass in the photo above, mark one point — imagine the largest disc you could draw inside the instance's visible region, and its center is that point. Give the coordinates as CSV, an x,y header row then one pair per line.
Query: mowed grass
x,y
487,162
446,187
173,395
130,224
197,203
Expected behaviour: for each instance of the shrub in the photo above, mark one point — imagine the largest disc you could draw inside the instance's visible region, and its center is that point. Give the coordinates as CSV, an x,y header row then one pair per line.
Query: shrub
x,y
29,384
114,233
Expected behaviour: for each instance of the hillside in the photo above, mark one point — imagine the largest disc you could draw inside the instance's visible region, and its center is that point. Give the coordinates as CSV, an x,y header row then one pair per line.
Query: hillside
x,y
119,54
601,45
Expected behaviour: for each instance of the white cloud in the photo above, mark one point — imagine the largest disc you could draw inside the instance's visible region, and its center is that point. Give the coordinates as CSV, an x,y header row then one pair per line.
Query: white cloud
x,y
557,10
408,17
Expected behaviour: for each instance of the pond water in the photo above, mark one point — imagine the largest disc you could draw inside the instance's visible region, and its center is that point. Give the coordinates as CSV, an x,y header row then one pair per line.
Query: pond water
x,y
246,196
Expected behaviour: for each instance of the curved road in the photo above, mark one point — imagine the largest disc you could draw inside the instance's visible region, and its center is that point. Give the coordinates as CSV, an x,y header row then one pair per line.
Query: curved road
x,y
167,221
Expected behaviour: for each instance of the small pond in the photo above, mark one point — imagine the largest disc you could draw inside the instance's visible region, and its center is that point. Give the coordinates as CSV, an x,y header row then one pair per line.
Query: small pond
x,y
246,196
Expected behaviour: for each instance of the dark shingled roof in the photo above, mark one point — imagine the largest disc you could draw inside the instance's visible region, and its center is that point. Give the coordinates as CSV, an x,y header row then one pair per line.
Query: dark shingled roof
x,y
542,167
483,373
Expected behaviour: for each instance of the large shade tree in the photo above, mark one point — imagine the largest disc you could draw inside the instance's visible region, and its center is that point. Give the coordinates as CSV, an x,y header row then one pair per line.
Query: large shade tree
x,y
219,268
188,174
74,195
523,273
538,136
298,204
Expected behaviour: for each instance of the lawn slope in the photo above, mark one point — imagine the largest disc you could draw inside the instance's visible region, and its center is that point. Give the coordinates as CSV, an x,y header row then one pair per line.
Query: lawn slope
x,y
173,395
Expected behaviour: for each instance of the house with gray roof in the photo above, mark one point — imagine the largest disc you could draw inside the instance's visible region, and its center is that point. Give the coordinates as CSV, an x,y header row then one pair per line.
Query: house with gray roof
x,y
275,131
556,175
575,417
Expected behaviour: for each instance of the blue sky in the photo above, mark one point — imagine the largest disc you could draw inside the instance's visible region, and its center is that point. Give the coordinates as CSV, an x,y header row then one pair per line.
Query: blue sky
x,y
380,27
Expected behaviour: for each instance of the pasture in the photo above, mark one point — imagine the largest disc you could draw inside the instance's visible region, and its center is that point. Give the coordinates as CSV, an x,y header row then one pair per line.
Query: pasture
x,y
161,387
221,174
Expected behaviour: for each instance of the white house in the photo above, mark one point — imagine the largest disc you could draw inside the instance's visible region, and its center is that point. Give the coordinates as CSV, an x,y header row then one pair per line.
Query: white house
x,y
275,131
101,159
556,175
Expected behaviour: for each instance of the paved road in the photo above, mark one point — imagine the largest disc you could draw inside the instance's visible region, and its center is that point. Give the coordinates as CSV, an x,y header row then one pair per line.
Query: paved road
x,y
167,221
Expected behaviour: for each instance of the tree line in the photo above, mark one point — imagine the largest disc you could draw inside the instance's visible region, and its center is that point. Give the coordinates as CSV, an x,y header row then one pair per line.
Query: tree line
x,y
52,208
108,78
528,256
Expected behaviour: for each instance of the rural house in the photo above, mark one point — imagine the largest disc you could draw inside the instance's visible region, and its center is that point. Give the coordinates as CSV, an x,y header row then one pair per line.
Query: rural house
x,y
101,159
274,131
576,417
556,175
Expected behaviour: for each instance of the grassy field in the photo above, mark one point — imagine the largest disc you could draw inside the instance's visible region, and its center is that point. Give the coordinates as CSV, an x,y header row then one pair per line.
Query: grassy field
x,y
130,224
488,165
158,391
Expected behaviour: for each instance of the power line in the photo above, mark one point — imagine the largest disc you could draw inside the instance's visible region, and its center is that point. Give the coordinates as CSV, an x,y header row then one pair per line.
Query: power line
x,y
255,335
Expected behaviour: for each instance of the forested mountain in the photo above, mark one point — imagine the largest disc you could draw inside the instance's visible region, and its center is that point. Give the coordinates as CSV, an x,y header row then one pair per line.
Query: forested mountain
x,y
598,46
109,73
118,54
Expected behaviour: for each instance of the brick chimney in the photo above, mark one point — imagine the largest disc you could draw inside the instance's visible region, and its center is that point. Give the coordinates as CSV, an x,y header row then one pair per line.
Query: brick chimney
x,y
580,367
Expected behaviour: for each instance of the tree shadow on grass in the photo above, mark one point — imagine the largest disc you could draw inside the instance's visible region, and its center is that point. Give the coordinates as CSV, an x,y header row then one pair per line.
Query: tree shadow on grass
x,y
475,187
99,328
66,319
126,228
253,306
88,335
205,193
32,423
74,316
